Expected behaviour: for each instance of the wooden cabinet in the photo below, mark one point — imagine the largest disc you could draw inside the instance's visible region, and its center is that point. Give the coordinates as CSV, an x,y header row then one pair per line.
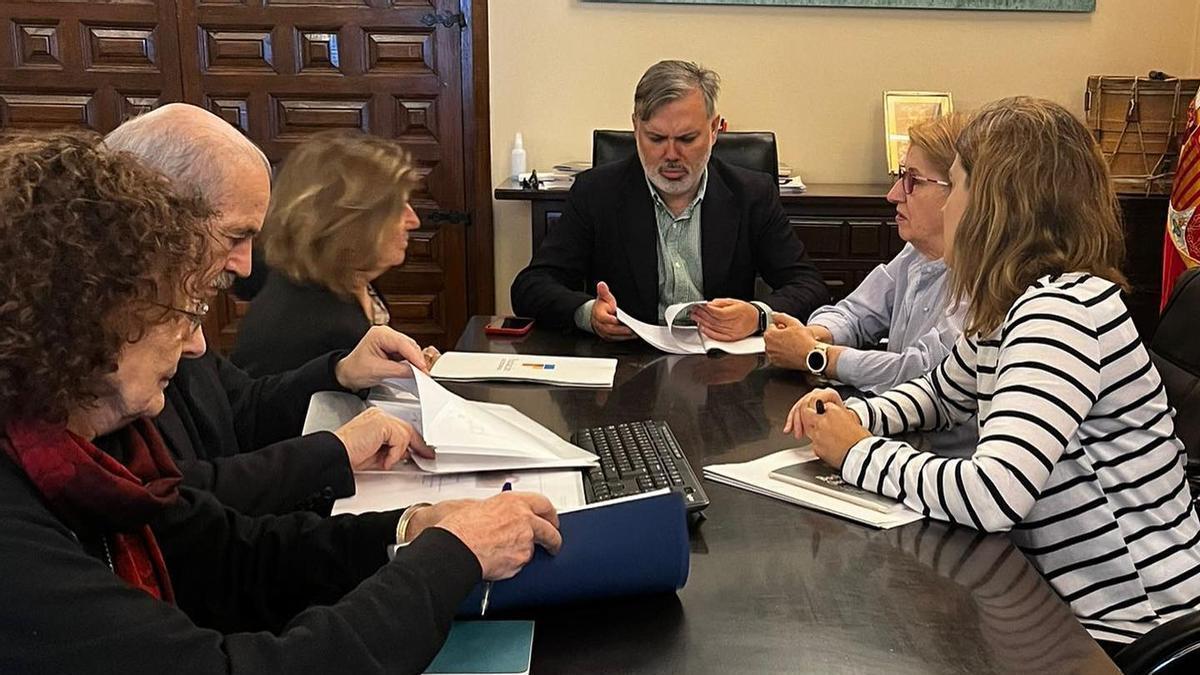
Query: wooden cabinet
x,y
279,70
849,229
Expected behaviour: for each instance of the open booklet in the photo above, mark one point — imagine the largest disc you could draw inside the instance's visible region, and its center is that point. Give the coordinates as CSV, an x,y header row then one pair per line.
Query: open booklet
x,y
467,435
679,338
762,476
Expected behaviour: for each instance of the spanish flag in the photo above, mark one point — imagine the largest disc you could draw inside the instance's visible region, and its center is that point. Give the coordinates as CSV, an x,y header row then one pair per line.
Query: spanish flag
x,y
1181,246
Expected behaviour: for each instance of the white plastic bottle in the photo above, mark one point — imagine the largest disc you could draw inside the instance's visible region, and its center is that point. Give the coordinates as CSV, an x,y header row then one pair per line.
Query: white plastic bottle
x,y
518,157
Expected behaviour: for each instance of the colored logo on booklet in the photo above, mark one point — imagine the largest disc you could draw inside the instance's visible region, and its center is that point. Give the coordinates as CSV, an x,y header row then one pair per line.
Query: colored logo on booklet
x,y
538,366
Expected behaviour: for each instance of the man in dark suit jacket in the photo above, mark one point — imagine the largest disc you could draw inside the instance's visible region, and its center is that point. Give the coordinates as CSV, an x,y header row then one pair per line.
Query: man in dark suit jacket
x,y
672,224
234,435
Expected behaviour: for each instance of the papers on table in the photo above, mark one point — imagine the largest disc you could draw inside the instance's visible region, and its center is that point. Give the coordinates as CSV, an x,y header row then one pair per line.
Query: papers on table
x,y
407,484
755,477
468,436
792,186
566,371
675,338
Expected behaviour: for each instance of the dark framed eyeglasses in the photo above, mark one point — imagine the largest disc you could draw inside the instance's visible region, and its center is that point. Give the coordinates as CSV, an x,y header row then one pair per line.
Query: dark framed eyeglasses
x,y
195,316
908,180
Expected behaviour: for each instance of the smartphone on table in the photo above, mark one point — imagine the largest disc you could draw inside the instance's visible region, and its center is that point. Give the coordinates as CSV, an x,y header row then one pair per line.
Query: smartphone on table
x,y
508,326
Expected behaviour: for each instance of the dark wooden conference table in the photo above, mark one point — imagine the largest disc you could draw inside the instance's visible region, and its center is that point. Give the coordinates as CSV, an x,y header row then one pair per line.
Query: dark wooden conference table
x,y
776,588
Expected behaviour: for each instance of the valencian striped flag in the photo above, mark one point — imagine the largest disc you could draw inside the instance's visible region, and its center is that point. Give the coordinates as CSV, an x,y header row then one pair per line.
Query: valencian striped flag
x,y
1181,249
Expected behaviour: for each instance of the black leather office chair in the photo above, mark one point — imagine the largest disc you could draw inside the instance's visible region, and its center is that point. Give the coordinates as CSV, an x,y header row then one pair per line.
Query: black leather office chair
x,y
754,150
1176,354
1174,647
1171,649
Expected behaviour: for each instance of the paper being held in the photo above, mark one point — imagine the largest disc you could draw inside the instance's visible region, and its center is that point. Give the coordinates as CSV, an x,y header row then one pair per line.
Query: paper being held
x,y
680,338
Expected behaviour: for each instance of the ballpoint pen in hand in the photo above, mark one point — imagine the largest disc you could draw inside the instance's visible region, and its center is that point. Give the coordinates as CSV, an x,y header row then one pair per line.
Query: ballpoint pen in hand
x,y
487,587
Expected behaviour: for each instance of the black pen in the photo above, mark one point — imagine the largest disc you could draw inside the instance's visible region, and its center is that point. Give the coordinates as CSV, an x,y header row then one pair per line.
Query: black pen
x,y
487,588
820,407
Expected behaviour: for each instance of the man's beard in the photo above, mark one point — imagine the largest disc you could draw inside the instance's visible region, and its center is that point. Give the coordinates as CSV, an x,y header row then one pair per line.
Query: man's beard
x,y
682,185
224,280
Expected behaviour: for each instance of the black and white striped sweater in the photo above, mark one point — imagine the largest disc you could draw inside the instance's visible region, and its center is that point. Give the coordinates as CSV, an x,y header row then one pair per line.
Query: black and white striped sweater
x,y
1077,455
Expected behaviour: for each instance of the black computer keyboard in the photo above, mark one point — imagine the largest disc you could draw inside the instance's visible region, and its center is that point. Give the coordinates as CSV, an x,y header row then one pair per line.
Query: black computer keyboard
x,y
637,457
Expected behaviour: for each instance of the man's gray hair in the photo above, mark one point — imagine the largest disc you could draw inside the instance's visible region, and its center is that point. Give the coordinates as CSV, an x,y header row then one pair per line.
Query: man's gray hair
x,y
193,148
668,81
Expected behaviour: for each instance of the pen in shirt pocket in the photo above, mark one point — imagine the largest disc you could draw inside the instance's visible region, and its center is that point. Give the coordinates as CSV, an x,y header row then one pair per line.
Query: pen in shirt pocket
x,y
487,587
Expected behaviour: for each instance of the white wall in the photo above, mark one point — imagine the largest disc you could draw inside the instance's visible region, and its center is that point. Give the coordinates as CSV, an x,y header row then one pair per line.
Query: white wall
x,y
560,68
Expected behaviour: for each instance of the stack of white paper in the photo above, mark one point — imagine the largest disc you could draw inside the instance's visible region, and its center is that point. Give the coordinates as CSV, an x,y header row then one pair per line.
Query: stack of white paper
x,y
682,339
467,436
406,485
557,370
755,477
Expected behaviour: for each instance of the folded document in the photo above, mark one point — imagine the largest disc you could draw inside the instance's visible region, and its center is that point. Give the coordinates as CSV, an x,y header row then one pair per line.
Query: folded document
x,y
678,338
755,476
467,436
568,371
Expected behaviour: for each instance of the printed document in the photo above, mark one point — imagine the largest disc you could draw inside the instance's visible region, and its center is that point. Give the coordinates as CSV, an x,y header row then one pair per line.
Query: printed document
x,y
467,436
565,371
755,476
407,484
679,338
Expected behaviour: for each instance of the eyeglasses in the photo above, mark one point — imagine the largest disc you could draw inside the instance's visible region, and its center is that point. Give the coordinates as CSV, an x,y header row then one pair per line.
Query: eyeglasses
x,y
908,180
195,316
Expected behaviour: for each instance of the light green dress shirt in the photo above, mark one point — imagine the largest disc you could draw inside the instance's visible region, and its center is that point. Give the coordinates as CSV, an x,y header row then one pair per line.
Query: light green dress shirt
x,y
680,271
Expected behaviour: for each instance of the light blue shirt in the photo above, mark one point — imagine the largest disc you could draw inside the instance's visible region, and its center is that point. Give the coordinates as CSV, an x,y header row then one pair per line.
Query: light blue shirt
x,y
680,271
904,300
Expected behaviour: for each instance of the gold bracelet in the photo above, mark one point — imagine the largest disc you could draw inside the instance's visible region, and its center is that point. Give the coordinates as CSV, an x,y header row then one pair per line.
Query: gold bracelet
x,y
405,519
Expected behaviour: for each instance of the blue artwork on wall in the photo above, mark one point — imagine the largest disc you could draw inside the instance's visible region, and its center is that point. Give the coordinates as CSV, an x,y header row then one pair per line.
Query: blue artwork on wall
x,y
993,5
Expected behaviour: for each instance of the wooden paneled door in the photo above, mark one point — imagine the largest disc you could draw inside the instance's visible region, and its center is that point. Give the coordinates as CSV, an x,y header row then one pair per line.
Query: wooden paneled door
x,y
413,70
282,69
86,64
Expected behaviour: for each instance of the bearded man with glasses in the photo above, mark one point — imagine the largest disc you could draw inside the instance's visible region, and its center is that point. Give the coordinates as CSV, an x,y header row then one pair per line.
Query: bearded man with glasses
x,y
671,224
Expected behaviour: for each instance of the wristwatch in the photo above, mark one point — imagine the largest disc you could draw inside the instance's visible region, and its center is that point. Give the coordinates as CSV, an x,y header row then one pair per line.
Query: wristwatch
x,y
817,360
763,319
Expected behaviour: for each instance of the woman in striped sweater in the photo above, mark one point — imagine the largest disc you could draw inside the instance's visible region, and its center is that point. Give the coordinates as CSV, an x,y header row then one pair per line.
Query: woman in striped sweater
x,y
1077,455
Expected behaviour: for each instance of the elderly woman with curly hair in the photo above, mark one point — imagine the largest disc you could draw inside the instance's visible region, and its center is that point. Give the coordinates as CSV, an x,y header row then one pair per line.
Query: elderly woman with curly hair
x,y
108,563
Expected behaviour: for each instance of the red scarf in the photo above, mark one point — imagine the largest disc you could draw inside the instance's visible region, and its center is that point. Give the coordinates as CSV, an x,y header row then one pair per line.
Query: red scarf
x,y
97,496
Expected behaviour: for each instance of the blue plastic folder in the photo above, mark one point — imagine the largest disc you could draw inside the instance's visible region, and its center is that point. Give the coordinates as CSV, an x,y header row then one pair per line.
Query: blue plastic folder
x,y
630,546
492,647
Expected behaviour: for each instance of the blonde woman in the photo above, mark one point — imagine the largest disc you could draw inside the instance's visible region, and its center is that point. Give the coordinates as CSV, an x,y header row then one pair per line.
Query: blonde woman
x,y
1077,454
339,218
904,300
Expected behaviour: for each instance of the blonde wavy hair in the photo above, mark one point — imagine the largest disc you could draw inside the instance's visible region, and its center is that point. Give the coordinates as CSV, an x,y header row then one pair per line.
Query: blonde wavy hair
x,y
936,138
330,207
1041,202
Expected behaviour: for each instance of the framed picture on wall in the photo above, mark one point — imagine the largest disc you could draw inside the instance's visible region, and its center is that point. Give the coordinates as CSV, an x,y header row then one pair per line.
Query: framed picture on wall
x,y
902,110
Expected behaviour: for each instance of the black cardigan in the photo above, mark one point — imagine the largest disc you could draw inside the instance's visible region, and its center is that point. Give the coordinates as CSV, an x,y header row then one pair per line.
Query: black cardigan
x,y
608,233
285,594
290,324
237,436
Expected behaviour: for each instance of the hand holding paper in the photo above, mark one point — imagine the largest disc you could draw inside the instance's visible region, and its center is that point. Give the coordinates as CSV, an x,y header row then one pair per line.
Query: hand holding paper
x,y
726,319
382,353
676,338
376,440
605,321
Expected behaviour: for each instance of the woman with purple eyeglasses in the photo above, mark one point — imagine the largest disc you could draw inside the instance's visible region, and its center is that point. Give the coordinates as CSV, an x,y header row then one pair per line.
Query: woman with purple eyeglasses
x,y
903,301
